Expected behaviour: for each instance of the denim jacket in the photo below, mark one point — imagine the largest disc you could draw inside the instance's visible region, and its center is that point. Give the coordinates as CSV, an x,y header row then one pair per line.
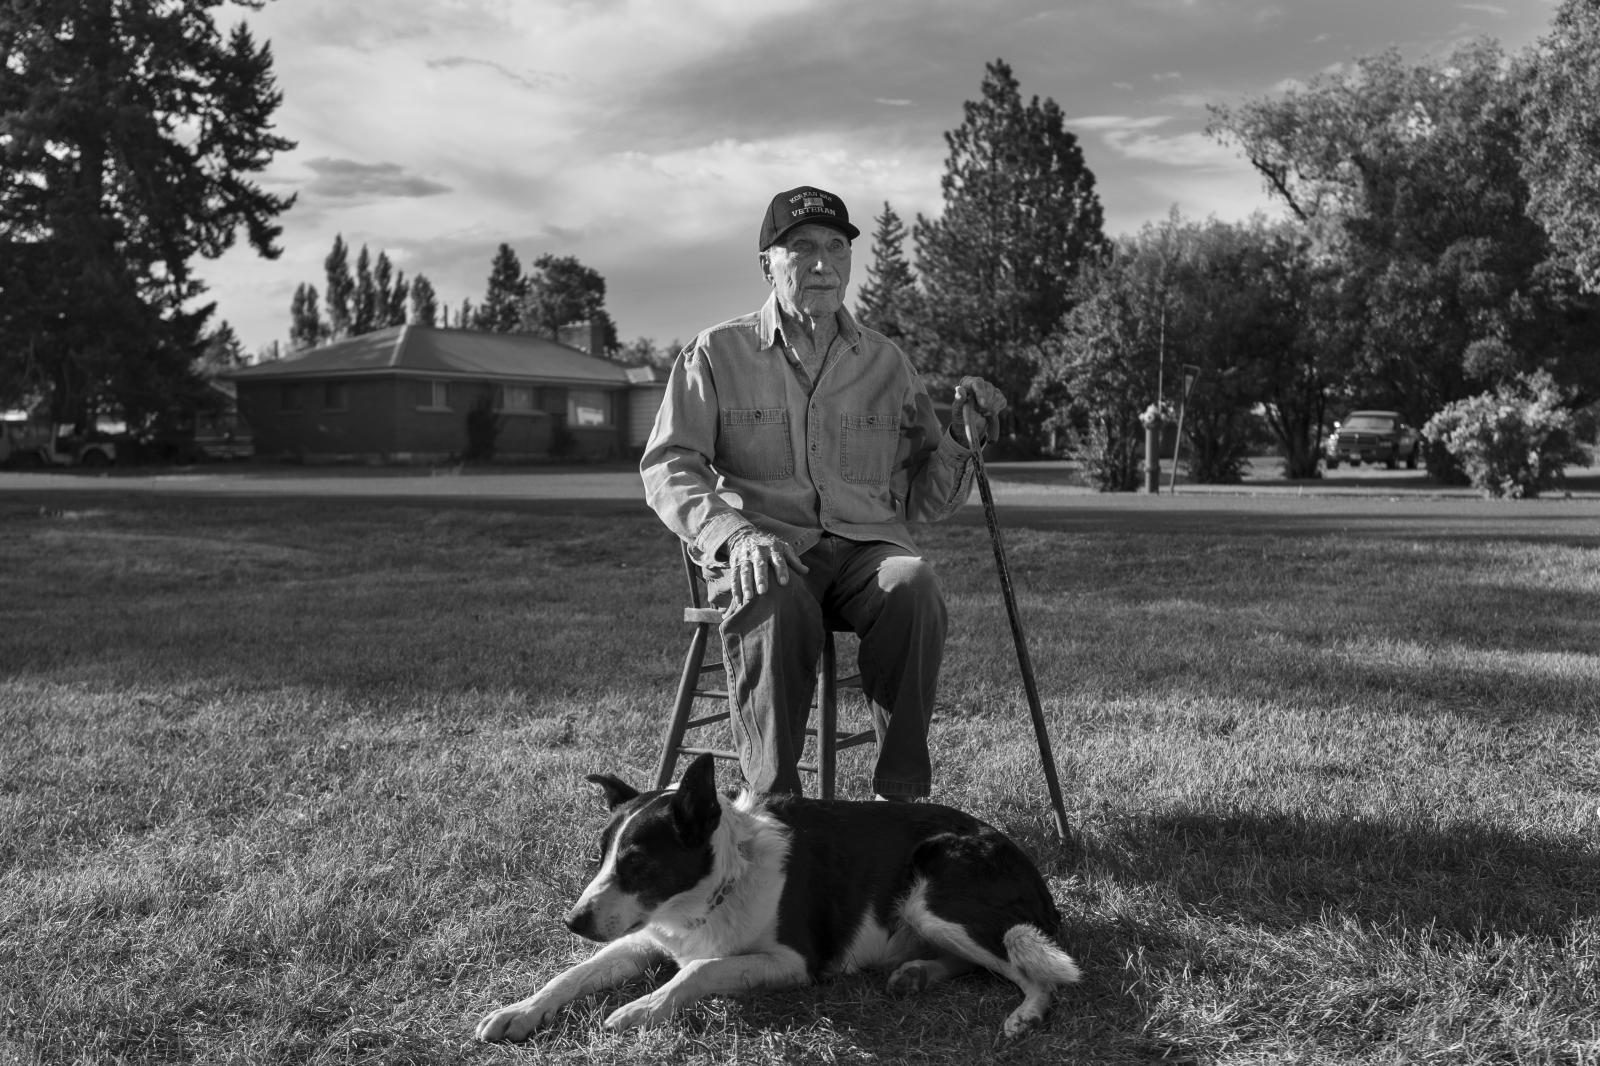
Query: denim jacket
x,y
739,441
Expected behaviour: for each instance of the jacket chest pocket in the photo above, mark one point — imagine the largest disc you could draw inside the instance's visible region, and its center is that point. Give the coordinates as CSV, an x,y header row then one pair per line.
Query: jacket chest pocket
x,y
755,443
867,445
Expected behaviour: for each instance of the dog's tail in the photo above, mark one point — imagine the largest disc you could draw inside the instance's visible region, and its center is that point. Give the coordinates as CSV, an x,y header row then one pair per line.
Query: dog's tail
x,y
1039,957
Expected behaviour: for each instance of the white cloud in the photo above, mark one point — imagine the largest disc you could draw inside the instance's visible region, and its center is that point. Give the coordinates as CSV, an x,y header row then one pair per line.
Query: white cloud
x,y
1195,150
1190,100
1115,123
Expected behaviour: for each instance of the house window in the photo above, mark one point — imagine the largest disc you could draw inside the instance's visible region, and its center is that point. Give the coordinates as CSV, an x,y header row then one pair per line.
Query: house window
x,y
433,395
290,399
336,396
514,398
588,407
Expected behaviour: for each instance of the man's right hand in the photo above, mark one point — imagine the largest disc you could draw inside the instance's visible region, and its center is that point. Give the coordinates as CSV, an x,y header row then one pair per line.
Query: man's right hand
x,y
752,554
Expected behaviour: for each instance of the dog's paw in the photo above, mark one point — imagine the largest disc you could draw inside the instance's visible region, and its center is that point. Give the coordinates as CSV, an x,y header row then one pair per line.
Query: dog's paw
x,y
910,978
642,1013
1018,1024
516,1022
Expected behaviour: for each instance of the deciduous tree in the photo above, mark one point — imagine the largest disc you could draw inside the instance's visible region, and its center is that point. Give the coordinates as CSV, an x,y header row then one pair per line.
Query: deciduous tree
x,y
395,311
341,289
424,302
306,329
382,291
364,305
1410,177
560,291
1561,135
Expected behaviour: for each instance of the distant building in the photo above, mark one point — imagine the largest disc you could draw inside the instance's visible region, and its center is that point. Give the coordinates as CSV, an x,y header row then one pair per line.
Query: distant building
x,y
404,394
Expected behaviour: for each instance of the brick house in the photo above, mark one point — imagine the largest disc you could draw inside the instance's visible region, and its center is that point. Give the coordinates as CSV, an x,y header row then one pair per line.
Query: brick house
x,y
404,394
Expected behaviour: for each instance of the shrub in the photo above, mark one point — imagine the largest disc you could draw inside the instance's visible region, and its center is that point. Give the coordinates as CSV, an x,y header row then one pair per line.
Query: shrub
x,y
1112,450
483,428
1440,462
1514,441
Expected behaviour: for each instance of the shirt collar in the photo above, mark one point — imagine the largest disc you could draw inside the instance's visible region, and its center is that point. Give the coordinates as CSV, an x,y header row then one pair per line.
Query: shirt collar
x,y
770,323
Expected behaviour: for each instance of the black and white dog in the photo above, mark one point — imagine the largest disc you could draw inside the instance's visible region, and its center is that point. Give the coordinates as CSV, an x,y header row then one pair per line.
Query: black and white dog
x,y
760,893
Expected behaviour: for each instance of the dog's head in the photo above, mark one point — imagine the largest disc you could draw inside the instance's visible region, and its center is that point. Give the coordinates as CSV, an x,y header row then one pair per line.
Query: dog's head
x,y
656,846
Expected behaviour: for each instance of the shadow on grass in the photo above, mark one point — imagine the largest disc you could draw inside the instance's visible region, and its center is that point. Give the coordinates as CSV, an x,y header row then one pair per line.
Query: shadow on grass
x,y
1532,522
1281,871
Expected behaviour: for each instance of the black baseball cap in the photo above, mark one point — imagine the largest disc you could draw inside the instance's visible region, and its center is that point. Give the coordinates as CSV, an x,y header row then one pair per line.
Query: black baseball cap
x,y
800,206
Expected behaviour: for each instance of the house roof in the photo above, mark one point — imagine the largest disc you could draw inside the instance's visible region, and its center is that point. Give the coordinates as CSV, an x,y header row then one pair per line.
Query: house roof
x,y
426,351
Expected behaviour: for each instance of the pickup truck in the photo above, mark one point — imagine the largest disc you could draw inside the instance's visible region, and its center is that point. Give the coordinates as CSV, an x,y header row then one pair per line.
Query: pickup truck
x,y
1373,437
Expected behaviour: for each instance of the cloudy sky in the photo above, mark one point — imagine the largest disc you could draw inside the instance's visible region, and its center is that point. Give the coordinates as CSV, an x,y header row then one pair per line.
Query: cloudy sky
x,y
646,137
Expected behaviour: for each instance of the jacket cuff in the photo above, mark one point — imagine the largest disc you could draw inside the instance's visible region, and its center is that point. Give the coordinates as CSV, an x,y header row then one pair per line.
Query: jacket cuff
x,y
716,533
952,448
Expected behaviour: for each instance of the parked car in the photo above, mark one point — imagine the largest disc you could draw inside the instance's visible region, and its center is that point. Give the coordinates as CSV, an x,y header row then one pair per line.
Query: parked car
x,y
35,443
1372,437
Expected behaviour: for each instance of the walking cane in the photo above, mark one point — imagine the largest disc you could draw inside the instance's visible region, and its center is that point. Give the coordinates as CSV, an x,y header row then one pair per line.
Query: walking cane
x,y
1029,685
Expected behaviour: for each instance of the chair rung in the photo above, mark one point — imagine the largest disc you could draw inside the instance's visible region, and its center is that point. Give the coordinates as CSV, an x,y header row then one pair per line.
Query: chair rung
x,y
710,719
710,694
716,753
703,616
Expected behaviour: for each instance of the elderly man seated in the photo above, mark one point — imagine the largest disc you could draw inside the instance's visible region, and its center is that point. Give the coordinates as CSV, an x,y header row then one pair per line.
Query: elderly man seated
x,y
792,448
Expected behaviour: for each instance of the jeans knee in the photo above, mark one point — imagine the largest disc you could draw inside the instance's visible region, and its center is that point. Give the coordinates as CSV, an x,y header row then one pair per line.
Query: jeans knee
x,y
911,589
789,612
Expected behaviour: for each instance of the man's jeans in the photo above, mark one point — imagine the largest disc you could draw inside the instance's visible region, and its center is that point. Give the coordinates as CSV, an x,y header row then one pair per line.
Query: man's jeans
x,y
891,599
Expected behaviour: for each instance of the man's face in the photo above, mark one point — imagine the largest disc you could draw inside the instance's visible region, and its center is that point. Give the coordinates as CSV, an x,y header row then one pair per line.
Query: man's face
x,y
810,270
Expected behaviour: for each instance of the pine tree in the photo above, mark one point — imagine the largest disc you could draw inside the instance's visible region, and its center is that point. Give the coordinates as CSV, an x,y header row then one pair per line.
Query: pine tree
x,y
888,302
425,303
364,314
130,135
222,352
305,328
341,289
467,315
500,311
1021,218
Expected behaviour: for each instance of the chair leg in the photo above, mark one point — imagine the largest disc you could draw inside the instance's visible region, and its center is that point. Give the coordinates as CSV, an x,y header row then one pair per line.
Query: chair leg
x,y
827,717
682,705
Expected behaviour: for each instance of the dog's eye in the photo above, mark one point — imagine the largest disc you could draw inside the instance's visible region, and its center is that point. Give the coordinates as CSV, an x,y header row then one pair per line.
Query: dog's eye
x,y
632,867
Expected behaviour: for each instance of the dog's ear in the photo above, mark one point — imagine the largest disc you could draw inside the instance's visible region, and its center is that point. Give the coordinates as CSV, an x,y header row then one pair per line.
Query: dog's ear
x,y
612,790
695,809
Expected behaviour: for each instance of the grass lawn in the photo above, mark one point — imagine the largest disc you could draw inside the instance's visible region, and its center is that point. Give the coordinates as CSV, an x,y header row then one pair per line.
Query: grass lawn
x,y
299,781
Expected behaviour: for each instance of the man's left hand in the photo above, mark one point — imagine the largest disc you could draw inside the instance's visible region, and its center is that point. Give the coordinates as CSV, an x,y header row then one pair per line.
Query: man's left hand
x,y
985,400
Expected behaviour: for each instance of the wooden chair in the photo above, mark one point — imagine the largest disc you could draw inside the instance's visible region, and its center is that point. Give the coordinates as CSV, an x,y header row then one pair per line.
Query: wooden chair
x,y
694,684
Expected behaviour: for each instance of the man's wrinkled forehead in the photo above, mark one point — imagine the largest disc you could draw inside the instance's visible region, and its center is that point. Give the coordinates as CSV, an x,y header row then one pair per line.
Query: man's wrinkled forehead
x,y
816,233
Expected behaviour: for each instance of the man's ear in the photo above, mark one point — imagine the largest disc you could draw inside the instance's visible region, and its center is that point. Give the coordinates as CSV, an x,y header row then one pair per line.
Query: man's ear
x,y
615,792
766,266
